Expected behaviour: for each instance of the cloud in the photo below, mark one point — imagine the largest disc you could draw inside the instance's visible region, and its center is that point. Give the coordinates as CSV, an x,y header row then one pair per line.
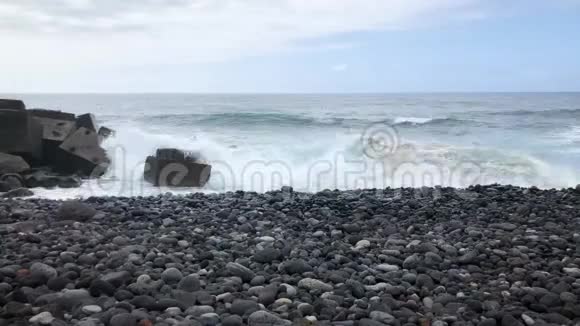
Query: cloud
x,y
339,67
74,34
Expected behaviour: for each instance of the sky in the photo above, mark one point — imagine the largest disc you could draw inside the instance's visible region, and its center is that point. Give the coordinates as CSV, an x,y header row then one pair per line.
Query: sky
x,y
289,46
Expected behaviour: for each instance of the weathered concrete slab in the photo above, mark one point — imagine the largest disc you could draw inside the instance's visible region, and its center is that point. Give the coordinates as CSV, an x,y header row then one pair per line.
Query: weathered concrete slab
x,y
20,134
105,133
87,121
174,168
7,104
57,125
86,155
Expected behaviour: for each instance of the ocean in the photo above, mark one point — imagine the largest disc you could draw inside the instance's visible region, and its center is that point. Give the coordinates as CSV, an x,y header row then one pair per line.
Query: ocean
x,y
316,142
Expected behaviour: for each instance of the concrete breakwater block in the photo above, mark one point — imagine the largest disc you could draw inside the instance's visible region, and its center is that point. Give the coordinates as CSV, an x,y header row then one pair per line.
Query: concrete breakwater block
x,y
47,148
175,168
12,105
20,134
87,121
57,126
105,133
85,155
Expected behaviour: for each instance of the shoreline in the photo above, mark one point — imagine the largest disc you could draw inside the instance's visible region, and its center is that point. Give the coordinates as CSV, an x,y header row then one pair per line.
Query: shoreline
x,y
484,255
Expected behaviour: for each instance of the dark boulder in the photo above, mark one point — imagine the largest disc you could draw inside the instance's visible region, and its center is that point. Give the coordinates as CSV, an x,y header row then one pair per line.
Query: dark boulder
x,y
75,211
13,180
12,164
70,181
45,179
16,193
40,179
4,186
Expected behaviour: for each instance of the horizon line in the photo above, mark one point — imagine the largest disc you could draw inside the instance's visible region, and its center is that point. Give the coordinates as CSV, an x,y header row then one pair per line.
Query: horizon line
x,y
293,93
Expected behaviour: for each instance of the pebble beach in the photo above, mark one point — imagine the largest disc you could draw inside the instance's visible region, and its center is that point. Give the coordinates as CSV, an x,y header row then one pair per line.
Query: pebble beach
x,y
485,255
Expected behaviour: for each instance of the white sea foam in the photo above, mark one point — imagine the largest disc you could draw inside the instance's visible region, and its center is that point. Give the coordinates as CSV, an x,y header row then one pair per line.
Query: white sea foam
x,y
259,142
411,120
334,163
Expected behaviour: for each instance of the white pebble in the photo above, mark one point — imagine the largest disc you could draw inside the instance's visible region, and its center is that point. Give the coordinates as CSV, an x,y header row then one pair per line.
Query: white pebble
x,y
387,268
43,318
363,244
92,309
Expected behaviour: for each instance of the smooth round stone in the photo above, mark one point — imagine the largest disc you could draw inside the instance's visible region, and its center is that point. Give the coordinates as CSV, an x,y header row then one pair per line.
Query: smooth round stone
x,y
313,284
92,309
258,280
171,276
290,290
306,309
143,279
266,318
387,268
362,244
267,255
243,307
42,269
233,320
190,283
43,318
199,310
123,319
120,241
173,311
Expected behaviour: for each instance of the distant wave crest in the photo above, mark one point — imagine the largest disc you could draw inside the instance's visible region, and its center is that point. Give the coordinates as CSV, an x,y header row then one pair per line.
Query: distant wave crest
x,y
561,113
284,119
445,122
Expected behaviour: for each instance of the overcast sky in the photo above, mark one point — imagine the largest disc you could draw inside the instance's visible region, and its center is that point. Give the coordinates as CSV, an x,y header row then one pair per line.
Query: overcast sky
x,y
289,45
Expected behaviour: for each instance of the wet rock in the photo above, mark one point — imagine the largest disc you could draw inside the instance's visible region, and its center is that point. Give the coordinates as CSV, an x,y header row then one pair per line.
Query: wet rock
x,y
123,319
267,255
241,271
75,211
171,276
17,193
296,266
313,284
43,270
43,318
264,318
190,283
244,307
12,164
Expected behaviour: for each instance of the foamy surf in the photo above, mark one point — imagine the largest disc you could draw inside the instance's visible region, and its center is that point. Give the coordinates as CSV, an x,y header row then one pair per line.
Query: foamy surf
x,y
316,142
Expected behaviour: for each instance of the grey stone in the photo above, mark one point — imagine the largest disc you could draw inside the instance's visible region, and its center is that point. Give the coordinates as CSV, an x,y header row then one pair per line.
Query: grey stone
x,y
44,270
241,271
244,307
264,318
313,284
171,276
123,319
190,283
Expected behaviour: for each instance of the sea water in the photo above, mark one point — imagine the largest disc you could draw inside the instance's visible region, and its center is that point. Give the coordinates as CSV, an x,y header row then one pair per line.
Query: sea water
x,y
315,142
